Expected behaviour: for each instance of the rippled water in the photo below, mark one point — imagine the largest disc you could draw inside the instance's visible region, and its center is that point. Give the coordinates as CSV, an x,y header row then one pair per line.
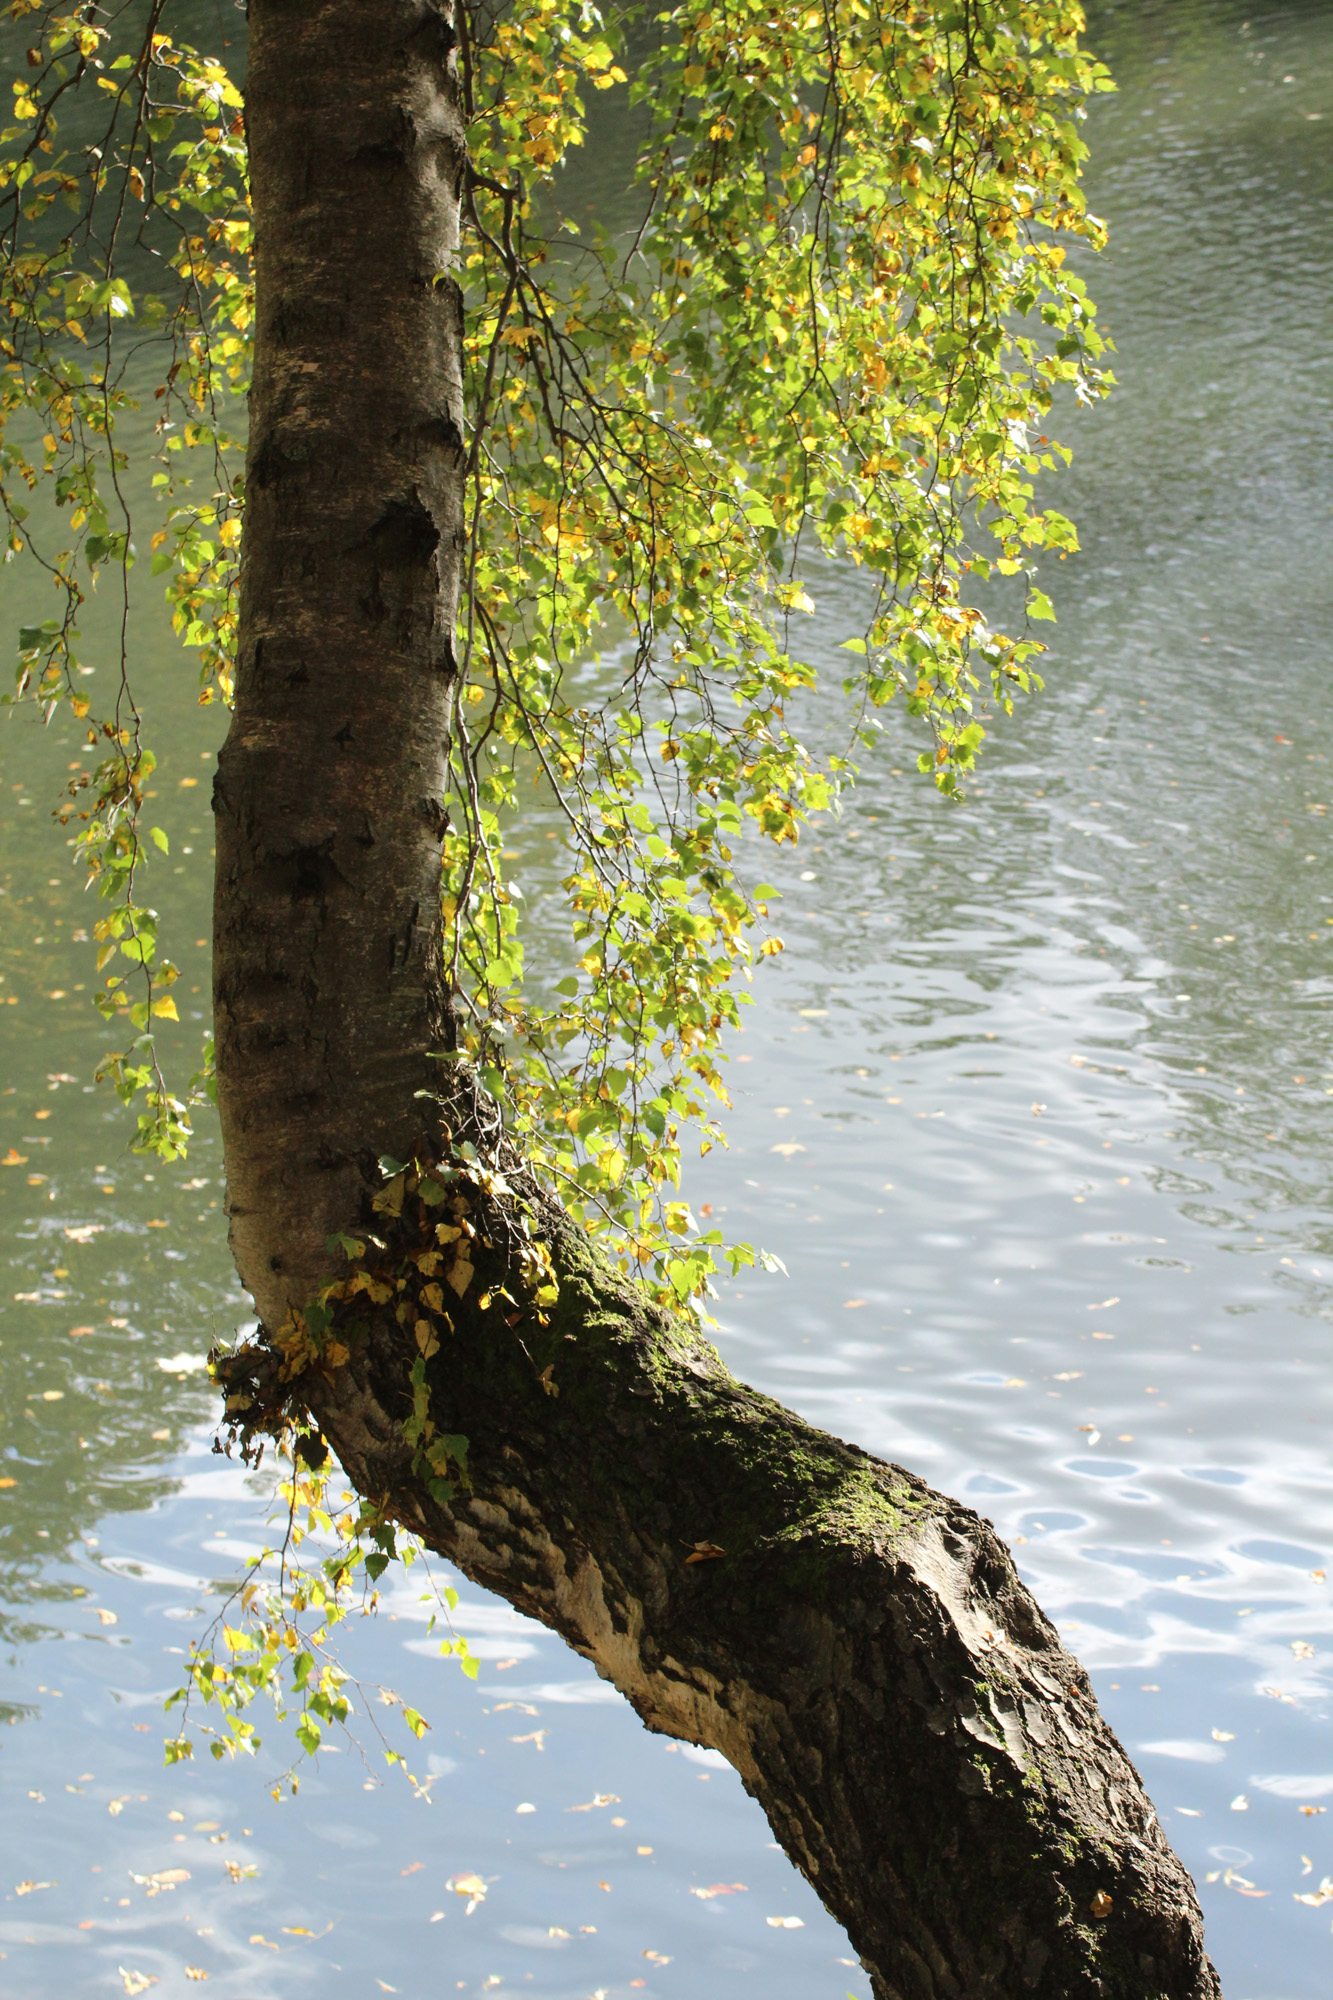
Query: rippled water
x,y
1035,1109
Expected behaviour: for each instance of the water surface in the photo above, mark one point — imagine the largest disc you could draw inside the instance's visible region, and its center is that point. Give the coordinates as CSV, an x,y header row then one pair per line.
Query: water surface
x,y
1035,1107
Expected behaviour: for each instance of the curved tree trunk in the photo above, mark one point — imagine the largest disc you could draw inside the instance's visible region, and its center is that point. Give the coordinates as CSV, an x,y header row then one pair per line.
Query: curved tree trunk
x,y
859,1647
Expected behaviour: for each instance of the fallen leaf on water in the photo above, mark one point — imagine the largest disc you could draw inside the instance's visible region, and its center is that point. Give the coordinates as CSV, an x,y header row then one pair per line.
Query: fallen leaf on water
x,y
78,1332
538,1737
1224,1736
85,1232
299,1930
606,1886
26,1888
787,1149
526,1807
136,1982
108,1617
1302,1649
239,1873
195,1972
471,1886
13,1159
257,1937
600,1799
1102,1304
719,1889
555,1931
786,1923
8,1482
385,1987
1310,1811
1316,1898
165,1878
848,1304
414,1868
1240,1803
657,1958
437,1916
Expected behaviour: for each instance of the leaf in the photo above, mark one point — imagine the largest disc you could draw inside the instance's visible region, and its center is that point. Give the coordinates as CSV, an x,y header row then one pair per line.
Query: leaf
x,y
703,1552
461,1274
472,1886
389,1201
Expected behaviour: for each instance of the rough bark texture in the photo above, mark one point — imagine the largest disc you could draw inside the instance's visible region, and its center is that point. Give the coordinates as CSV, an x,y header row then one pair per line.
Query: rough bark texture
x,y
328,796
859,1647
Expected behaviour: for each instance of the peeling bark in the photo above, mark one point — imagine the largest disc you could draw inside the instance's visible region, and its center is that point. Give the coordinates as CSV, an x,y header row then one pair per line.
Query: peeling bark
x,y
859,1647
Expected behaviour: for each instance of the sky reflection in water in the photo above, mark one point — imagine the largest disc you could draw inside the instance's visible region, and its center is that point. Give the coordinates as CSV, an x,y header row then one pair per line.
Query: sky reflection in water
x,y
1034,1108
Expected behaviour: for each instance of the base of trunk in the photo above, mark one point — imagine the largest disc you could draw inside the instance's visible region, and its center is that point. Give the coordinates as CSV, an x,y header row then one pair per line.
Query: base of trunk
x,y
859,1647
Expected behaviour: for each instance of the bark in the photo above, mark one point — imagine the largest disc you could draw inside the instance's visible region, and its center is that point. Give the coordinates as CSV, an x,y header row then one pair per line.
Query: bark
x,y
327,918
859,1647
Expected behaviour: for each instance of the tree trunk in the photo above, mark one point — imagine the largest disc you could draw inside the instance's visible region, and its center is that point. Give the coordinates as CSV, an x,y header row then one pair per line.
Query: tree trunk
x,y
859,1647
327,917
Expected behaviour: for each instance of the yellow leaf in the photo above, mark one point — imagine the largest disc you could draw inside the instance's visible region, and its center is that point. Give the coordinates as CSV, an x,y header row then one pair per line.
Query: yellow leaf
x,y
166,1008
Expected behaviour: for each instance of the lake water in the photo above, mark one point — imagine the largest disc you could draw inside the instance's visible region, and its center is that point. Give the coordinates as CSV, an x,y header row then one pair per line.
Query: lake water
x,y
1036,1109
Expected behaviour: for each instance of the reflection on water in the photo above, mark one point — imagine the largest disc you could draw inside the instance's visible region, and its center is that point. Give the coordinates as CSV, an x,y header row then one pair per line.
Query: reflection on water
x,y
1034,1107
